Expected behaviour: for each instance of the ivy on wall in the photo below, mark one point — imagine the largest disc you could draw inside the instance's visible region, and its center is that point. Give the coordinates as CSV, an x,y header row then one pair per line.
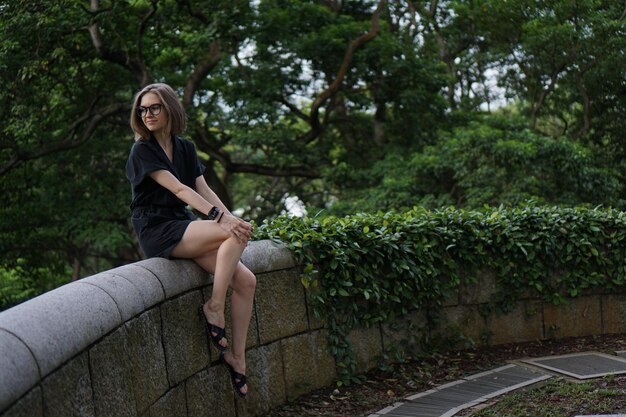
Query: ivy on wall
x,y
368,268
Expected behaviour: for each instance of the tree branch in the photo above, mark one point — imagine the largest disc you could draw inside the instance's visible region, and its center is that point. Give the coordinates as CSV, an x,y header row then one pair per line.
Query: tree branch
x,y
224,159
586,105
92,117
137,66
202,18
333,5
146,78
294,109
314,121
534,111
200,72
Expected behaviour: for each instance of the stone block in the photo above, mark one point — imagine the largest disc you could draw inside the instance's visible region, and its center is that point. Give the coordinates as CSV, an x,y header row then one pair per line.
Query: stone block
x,y
461,322
265,256
18,367
614,313
29,405
524,323
147,358
280,306
184,337
67,392
112,377
210,394
308,363
451,297
61,323
266,382
172,404
126,295
481,289
579,317
198,277
145,281
368,347
325,370
174,275
404,334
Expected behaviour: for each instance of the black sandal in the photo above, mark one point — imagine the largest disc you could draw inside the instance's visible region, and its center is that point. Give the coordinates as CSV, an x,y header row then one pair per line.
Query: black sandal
x,y
238,380
216,333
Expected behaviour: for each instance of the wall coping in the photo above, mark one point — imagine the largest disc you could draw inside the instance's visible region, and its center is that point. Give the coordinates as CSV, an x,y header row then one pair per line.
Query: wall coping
x,y
41,334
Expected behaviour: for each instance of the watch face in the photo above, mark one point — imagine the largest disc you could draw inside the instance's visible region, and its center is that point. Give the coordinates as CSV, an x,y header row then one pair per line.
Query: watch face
x,y
213,213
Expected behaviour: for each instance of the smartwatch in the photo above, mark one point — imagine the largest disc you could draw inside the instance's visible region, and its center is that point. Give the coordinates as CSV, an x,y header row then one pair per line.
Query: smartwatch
x,y
213,213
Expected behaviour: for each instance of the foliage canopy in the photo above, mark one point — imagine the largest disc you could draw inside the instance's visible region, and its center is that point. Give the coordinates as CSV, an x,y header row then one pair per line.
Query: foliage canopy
x,y
348,105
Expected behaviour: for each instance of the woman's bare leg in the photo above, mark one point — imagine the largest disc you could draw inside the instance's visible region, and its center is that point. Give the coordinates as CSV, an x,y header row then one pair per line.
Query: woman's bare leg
x,y
242,301
218,252
200,241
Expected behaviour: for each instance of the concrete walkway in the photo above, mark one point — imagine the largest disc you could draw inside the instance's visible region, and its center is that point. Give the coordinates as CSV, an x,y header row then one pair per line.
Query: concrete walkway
x,y
448,399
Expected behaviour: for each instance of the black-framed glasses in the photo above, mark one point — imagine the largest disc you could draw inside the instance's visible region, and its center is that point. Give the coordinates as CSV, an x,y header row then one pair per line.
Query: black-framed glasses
x,y
154,110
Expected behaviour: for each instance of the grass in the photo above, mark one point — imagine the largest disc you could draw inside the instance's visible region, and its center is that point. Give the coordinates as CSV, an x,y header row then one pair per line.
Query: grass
x,y
560,397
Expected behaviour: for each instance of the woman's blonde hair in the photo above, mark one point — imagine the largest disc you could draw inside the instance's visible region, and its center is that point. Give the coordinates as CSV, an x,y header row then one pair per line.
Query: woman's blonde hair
x,y
177,120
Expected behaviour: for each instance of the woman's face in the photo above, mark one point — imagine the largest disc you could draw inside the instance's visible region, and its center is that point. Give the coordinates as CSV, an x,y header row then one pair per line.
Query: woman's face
x,y
153,113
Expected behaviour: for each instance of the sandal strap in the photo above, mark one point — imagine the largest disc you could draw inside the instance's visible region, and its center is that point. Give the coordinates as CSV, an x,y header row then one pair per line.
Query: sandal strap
x,y
216,333
239,380
220,332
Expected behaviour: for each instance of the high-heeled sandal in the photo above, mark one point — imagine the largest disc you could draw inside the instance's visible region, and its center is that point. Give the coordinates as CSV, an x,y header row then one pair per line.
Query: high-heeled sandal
x,y
216,333
237,379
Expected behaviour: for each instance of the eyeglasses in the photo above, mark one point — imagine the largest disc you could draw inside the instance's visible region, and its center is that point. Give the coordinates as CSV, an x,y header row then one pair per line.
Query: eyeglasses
x,y
154,110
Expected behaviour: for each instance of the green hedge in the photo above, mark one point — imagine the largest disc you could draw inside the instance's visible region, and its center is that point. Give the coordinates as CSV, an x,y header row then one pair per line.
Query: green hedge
x,y
368,268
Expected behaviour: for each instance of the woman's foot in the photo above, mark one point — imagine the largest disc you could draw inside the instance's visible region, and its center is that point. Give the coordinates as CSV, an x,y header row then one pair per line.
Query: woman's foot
x,y
237,368
214,317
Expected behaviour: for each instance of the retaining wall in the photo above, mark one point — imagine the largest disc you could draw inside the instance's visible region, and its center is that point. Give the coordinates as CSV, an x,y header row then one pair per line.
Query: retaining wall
x,y
130,341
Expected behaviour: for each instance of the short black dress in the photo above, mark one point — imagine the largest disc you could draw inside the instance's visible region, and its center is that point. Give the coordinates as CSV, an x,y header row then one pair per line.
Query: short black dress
x,y
158,216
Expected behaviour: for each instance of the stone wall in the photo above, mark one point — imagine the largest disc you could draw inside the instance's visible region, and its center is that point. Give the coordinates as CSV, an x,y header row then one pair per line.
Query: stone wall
x,y
131,342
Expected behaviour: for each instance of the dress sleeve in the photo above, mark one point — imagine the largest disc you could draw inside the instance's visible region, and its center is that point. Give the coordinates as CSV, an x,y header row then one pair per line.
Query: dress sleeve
x,y
200,168
142,161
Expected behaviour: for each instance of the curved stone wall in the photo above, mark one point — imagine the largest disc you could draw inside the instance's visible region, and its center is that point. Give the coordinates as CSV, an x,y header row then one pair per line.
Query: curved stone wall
x,y
131,342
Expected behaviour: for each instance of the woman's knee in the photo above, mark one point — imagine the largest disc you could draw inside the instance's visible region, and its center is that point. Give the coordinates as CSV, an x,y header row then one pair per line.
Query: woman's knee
x,y
238,242
244,280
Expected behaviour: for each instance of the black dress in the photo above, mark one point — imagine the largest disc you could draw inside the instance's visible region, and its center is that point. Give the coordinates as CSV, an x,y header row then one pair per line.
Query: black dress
x,y
158,216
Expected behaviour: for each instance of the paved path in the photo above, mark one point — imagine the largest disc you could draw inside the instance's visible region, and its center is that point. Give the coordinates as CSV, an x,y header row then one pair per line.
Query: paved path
x,y
447,400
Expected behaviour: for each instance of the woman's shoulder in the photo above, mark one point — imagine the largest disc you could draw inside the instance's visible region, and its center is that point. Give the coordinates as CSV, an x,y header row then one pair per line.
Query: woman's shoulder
x,y
142,146
185,143
184,140
138,142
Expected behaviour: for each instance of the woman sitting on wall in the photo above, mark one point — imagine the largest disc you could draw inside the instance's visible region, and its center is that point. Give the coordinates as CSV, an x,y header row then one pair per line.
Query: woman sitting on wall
x,y
166,177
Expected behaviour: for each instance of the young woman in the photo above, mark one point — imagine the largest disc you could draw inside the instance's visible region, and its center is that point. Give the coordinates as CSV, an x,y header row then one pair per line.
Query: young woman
x,y
166,177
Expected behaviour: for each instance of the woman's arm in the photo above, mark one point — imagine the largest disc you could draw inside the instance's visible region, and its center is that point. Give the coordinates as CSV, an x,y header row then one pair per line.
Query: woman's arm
x,y
184,193
232,223
209,195
239,228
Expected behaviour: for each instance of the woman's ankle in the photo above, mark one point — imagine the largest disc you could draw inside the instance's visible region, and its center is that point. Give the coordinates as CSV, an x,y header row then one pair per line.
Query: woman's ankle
x,y
214,307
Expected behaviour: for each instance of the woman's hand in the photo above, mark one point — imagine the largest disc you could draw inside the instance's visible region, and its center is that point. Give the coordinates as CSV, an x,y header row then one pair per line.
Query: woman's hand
x,y
237,227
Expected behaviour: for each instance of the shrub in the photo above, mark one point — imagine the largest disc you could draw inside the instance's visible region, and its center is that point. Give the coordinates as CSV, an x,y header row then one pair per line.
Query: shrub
x,y
367,268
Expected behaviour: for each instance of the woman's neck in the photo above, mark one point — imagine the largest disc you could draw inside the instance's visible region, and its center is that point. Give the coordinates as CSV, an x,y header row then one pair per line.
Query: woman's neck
x,y
163,138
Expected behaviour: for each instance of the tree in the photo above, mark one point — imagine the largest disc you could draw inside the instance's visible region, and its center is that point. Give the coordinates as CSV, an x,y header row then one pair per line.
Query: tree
x,y
554,50
277,91
319,99
495,161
